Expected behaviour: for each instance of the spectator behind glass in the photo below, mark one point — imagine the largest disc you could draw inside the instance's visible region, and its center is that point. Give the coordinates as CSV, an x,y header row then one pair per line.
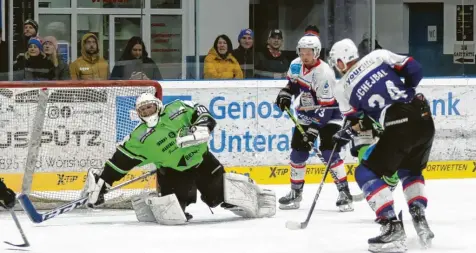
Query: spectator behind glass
x,y
244,52
312,29
271,63
50,45
37,66
365,47
90,66
135,63
220,63
30,30
3,59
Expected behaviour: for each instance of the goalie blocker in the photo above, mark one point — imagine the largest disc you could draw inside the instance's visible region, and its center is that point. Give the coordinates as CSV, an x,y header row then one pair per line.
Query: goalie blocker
x,y
175,137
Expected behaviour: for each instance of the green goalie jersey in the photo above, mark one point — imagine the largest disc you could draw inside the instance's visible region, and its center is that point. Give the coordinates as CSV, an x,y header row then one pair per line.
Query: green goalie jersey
x,y
157,145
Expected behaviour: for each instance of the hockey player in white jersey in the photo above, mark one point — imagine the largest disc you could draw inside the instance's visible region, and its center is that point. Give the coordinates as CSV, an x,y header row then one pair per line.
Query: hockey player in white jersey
x,y
311,81
372,87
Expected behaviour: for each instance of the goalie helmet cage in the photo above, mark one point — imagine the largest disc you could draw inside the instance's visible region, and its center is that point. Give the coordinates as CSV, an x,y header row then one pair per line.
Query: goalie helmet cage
x,y
53,132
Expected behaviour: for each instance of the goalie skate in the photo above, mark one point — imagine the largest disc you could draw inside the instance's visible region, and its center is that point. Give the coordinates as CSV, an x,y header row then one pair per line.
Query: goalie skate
x,y
291,201
421,226
344,201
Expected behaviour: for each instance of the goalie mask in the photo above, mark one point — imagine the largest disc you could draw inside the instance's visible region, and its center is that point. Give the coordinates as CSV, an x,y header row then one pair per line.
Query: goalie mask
x,y
148,108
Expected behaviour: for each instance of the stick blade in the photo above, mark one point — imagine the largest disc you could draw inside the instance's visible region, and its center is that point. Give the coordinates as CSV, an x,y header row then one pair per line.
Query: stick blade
x,y
24,245
293,225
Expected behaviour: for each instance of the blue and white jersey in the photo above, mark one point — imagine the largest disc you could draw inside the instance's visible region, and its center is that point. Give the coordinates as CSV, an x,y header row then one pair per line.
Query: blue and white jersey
x,y
316,87
373,83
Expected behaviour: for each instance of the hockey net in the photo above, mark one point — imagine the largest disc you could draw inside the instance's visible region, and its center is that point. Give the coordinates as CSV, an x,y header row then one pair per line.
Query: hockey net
x,y
54,132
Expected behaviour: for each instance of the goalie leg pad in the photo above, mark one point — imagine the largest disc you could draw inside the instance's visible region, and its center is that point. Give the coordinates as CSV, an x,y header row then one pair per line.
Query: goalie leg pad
x,y
250,200
142,210
167,210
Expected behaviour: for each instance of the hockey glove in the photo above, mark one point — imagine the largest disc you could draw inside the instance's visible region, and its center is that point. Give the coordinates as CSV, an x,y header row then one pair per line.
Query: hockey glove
x,y
309,138
8,198
344,136
191,136
283,100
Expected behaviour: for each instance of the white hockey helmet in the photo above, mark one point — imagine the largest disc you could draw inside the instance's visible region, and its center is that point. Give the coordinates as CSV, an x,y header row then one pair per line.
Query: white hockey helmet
x,y
148,98
310,41
344,50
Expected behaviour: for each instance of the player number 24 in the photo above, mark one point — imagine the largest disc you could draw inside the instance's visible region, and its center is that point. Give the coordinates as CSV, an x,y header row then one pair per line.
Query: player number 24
x,y
394,92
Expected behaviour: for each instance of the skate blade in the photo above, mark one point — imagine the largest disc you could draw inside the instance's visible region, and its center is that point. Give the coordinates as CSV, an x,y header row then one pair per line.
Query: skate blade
x,y
346,208
291,206
391,247
425,239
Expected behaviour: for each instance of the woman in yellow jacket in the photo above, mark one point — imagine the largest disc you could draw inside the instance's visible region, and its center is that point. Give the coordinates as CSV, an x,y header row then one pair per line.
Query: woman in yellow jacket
x,y
220,63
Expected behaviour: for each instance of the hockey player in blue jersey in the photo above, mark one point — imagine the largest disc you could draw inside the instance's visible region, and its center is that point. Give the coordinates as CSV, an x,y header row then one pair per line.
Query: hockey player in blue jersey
x,y
372,86
7,196
310,82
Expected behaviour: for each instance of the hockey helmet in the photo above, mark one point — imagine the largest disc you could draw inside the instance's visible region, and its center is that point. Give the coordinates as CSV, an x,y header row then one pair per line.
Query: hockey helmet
x,y
150,118
344,50
312,42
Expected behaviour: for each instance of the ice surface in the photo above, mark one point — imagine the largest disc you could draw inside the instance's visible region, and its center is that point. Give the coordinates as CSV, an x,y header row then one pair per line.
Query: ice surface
x,y
451,214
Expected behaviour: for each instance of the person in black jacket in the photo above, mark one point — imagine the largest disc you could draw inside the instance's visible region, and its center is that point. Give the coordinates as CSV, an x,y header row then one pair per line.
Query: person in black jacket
x,y
36,64
135,63
244,52
271,63
7,196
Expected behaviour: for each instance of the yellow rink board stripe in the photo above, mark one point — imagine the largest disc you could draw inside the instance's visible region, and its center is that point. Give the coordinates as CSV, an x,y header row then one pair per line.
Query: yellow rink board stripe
x,y
49,181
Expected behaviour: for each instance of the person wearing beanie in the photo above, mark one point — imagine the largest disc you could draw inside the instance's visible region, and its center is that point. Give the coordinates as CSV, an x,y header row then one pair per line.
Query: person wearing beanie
x,y
37,66
90,65
244,52
50,45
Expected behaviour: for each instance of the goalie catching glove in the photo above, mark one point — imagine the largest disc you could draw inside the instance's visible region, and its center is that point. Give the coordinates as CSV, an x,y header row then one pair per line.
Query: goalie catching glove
x,y
191,136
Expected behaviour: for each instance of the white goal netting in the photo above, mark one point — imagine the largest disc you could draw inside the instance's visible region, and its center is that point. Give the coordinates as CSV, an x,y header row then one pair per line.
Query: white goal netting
x,y
54,132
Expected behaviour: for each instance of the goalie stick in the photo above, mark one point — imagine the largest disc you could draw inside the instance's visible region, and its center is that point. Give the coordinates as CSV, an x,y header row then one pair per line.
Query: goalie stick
x,y
41,217
356,198
20,229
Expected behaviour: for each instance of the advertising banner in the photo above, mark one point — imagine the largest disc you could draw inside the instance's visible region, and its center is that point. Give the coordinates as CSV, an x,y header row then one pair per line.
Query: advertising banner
x,y
253,137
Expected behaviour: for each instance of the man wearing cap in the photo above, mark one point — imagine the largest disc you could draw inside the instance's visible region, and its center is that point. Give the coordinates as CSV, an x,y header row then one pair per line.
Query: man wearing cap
x,y
271,63
244,52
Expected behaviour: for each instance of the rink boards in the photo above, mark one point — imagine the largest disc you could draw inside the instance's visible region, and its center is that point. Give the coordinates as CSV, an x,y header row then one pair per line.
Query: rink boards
x,y
253,136
261,174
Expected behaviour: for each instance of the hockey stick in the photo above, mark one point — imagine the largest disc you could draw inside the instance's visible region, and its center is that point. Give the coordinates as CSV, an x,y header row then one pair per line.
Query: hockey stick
x,y
315,108
294,225
38,217
355,198
20,229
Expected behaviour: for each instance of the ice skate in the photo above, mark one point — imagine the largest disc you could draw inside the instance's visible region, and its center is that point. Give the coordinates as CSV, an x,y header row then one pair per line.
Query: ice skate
x,y
392,237
291,200
344,201
421,226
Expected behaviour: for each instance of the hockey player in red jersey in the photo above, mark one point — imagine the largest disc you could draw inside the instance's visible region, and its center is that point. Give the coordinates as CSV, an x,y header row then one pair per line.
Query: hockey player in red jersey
x,y
311,83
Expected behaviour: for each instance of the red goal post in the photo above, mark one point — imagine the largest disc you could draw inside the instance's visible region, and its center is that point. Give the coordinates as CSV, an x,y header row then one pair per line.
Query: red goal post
x,y
53,132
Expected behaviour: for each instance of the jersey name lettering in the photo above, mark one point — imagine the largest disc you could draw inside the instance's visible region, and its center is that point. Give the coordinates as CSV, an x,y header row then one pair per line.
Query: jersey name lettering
x,y
367,84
